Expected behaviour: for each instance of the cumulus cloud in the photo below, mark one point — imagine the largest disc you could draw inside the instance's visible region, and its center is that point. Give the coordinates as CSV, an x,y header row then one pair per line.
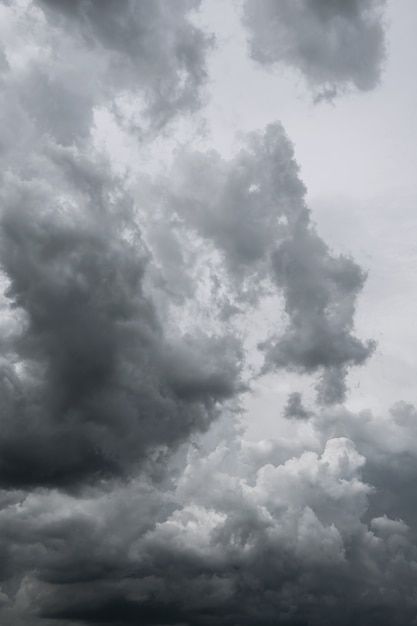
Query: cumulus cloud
x,y
248,533
90,380
334,44
130,492
388,443
252,209
320,292
93,383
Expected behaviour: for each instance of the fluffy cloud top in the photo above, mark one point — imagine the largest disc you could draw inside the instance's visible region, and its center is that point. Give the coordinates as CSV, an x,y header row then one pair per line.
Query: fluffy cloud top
x,y
92,385
89,379
249,533
148,45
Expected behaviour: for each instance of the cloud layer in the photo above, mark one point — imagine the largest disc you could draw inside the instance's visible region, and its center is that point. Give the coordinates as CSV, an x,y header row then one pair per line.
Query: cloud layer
x,y
133,313
252,209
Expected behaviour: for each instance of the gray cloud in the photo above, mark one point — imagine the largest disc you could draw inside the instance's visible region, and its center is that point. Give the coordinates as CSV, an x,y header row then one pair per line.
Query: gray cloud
x,y
90,381
252,208
143,61
334,44
295,408
388,443
242,536
93,383
129,493
149,46
242,205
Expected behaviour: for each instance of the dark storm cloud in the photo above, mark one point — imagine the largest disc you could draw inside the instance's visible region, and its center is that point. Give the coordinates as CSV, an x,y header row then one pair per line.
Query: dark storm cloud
x,y
320,292
92,383
249,534
89,382
333,43
243,205
388,443
129,494
253,210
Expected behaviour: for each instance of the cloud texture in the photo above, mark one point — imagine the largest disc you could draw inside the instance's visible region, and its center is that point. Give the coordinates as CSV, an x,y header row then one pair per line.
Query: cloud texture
x,y
133,313
90,380
333,43
252,533
149,45
252,209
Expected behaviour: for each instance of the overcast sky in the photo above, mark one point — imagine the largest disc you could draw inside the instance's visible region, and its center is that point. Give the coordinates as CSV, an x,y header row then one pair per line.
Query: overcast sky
x,y
358,161
208,340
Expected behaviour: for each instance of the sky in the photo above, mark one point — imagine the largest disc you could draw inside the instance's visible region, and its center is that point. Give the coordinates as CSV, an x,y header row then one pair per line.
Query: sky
x,y
358,161
207,347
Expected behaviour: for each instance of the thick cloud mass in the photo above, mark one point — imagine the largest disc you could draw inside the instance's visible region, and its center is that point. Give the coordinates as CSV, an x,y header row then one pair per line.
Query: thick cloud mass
x,y
251,533
132,317
333,43
90,382
142,61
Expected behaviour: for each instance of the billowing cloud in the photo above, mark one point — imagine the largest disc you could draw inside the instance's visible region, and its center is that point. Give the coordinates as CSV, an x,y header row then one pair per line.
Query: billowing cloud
x,y
248,533
320,292
90,381
149,46
334,44
145,62
132,315
252,208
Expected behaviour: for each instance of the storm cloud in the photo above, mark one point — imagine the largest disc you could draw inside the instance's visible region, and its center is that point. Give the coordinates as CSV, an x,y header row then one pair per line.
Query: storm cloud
x,y
142,309
90,381
334,44
143,62
251,533
253,210
150,46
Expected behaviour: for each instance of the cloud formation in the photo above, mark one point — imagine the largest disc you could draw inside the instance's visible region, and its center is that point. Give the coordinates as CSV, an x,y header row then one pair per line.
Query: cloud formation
x,y
148,46
93,384
144,62
129,490
253,211
248,533
334,44
90,381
